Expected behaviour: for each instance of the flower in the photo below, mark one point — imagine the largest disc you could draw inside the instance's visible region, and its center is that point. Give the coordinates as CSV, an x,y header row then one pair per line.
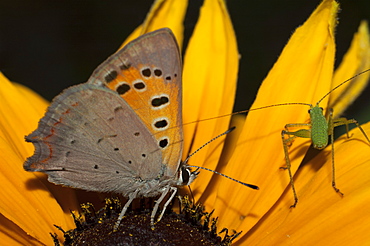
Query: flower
x,y
303,73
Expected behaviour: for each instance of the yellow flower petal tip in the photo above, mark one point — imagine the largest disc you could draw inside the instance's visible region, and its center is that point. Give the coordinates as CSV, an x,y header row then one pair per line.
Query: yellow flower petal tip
x,y
355,61
163,13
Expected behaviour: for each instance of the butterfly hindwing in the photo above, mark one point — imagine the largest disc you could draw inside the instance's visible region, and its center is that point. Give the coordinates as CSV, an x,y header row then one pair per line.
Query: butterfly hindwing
x,y
93,144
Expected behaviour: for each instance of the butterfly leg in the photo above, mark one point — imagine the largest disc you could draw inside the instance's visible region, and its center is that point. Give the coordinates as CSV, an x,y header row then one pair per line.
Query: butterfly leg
x,y
131,197
156,206
174,191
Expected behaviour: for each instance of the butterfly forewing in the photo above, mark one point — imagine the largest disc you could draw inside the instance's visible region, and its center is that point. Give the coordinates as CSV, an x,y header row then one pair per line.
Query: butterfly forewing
x,y
147,75
83,139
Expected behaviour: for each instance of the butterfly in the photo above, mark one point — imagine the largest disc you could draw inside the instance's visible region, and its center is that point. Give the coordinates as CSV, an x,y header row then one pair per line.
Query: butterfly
x,y
121,131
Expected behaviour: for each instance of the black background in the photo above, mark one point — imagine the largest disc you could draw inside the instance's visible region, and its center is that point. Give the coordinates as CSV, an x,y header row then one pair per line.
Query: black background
x,y
50,45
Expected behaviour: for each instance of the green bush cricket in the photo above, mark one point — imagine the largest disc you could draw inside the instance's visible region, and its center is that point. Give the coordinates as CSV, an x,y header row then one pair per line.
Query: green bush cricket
x,y
319,129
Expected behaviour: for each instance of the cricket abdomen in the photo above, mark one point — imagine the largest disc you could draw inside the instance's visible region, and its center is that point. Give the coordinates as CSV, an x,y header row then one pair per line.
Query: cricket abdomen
x,y
319,128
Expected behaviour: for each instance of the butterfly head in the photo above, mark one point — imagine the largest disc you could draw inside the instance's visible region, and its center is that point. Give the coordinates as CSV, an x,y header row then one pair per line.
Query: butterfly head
x,y
185,175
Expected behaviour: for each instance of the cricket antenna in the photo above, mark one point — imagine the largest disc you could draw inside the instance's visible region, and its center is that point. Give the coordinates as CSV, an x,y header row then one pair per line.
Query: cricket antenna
x,y
210,141
245,111
223,175
327,94
278,104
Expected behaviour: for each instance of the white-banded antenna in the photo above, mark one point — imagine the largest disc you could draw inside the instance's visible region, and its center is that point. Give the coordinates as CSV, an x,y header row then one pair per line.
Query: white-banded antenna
x,y
223,175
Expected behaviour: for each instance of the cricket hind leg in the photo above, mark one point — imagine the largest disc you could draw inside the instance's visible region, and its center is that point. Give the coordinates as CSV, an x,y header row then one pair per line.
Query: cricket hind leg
x,y
344,121
340,122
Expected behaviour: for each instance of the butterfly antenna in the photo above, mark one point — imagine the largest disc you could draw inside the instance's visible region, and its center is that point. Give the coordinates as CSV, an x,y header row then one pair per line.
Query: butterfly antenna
x,y
223,175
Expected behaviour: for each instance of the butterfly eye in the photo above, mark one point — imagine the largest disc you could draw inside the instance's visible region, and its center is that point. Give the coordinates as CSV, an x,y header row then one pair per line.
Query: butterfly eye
x,y
184,176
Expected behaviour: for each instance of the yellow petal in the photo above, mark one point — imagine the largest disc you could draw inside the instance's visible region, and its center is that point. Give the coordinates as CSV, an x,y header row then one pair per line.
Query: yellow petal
x,y
11,234
209,84
19,116
322,216
303,73
25,200
164,13
356,60
231,140
37,102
